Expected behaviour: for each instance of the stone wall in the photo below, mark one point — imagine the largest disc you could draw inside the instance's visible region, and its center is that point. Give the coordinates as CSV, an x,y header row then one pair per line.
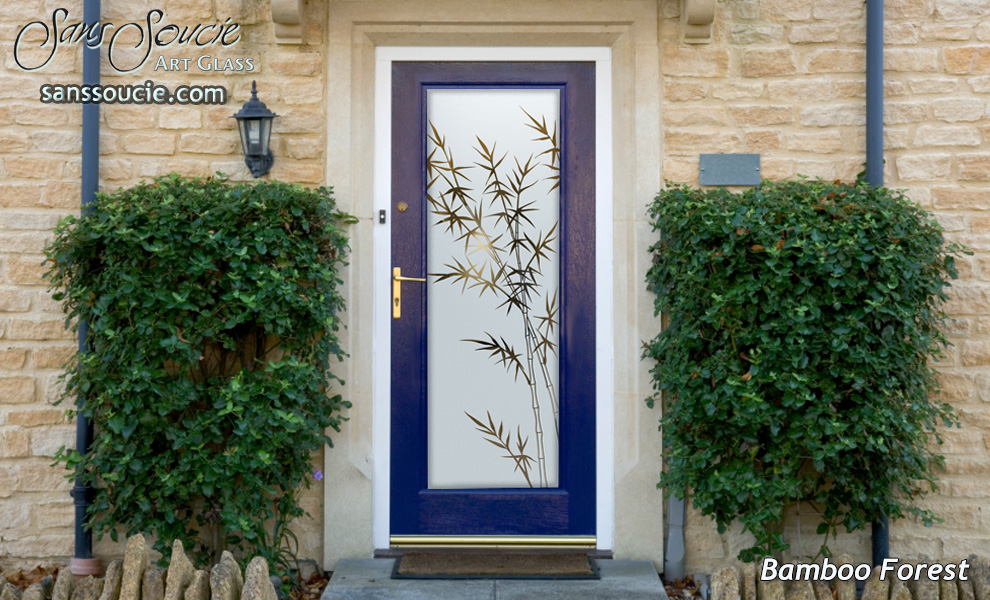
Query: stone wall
x,y
40,168
785,78
780,77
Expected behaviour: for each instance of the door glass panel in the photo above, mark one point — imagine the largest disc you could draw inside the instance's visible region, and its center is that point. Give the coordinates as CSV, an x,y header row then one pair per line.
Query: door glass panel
x,y
493,164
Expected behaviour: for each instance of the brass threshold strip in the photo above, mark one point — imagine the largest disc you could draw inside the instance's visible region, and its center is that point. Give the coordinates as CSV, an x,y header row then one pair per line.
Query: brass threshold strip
x,y
492,541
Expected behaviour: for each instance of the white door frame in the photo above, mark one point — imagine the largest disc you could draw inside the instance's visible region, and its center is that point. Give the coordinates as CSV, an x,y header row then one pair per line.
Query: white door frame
x,y
382,315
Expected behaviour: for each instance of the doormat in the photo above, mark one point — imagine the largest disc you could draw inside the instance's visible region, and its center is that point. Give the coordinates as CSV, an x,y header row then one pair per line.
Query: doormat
x,y
492,565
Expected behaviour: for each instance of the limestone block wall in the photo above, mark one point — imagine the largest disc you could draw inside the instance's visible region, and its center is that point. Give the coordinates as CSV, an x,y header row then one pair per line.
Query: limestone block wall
x,y
39,183
785,78
40,169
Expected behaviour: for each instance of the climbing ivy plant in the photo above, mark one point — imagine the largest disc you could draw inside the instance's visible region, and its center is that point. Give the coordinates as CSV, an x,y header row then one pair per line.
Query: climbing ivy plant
x,y
213,310
804,317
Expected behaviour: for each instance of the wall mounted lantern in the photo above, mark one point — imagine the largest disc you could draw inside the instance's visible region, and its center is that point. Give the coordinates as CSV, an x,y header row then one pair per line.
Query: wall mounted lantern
x,y
254,123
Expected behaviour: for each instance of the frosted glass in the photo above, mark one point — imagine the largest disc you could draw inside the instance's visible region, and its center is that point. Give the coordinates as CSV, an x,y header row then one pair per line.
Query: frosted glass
x,y
492,256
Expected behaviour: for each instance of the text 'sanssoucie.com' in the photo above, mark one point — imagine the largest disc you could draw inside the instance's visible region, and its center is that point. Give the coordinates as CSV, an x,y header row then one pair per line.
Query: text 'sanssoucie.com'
x,y
143,93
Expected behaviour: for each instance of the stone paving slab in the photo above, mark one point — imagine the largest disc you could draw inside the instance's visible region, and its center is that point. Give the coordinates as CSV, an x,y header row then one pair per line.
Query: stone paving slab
x,y
370,579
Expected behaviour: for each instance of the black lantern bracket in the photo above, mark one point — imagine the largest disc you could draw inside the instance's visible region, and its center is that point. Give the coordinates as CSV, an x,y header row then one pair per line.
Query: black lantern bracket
x,y
254,124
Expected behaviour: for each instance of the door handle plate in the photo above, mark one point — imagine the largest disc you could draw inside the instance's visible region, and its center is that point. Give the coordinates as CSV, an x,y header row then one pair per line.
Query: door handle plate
x,y
397,280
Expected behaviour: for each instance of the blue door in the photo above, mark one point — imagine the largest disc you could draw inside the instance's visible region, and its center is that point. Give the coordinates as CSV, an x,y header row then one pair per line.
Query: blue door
x,y
493,299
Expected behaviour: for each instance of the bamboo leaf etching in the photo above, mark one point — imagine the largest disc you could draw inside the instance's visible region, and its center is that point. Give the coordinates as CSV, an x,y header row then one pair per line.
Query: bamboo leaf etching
x,y
504,255
493,436
505,354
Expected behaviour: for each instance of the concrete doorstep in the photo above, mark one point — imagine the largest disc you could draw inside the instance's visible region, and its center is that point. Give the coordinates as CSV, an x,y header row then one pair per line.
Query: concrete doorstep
x,y
371,579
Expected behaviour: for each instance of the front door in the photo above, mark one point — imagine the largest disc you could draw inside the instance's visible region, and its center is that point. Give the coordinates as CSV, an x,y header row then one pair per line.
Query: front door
x,y
493,299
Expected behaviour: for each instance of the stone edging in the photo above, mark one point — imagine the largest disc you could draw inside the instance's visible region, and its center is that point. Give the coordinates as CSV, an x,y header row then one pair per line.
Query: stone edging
x,y
134,579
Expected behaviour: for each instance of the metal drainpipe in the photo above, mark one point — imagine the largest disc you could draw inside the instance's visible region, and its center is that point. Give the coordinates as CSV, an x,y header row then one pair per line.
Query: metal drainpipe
x,y
673,556
874,176
83,562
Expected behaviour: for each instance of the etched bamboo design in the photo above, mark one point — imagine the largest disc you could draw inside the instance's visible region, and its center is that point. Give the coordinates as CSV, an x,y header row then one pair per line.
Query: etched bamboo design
x,y
513,252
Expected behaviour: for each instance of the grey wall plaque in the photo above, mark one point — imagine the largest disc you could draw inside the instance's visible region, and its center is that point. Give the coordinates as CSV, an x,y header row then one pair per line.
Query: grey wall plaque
x,y
729,169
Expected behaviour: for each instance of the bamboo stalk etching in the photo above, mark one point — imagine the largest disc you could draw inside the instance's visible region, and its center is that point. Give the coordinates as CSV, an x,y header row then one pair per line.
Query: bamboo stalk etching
x,y
504,254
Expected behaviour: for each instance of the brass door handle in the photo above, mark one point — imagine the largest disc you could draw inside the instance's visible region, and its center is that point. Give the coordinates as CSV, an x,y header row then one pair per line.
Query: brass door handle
x,y
397,280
